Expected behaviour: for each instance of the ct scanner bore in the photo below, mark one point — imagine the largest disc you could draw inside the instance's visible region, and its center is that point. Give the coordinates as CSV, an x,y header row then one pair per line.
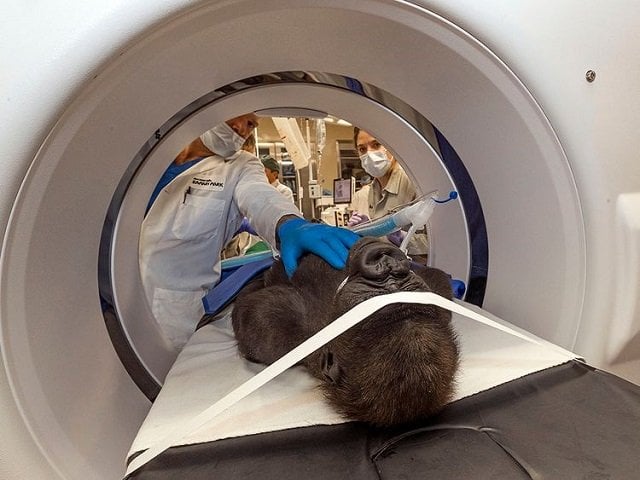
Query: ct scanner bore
x,y
120,282
70,409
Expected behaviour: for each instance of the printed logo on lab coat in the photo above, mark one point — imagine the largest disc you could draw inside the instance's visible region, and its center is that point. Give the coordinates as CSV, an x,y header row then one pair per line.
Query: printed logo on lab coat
x,y
204,183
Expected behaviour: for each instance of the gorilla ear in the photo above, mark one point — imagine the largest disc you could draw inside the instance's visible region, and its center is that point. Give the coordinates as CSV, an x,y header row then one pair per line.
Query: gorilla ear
x,y
330,368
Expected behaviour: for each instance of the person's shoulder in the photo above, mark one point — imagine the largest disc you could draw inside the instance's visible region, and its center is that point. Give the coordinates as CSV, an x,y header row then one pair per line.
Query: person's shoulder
x,y
246,161
402,178
399,173
397,180
244,156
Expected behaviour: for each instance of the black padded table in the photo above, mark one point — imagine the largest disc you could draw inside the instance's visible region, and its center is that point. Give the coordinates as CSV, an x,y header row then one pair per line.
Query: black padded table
x,y
567,422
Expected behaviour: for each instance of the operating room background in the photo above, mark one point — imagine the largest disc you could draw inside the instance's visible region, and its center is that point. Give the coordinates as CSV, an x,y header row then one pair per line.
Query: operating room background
x,y
325,163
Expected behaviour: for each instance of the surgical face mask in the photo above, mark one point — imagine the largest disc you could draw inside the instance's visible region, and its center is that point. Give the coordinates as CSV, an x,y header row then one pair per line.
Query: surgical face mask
x,y
376,163
222,140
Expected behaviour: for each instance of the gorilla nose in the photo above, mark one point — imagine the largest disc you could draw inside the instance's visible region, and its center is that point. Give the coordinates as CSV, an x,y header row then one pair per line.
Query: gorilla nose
x,y
380,261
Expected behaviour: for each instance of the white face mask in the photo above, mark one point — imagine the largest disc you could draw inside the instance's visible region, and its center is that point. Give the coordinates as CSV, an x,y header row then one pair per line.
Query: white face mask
x,y
222,140
376,163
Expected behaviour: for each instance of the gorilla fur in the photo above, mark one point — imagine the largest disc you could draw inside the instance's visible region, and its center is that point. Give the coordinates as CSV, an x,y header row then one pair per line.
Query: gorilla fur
x,y
394,367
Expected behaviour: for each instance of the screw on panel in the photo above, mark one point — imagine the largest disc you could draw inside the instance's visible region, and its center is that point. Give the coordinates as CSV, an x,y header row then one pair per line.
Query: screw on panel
x,y
590,76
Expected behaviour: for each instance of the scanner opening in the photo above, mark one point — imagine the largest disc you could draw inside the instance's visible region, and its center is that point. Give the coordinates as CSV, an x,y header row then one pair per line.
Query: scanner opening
x,y
463,229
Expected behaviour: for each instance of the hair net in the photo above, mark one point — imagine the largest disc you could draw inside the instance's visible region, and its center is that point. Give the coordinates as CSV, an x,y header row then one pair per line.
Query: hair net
x,y
270,163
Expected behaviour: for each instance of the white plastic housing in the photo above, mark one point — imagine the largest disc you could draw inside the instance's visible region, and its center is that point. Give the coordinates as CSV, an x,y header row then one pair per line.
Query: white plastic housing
x,y
85,84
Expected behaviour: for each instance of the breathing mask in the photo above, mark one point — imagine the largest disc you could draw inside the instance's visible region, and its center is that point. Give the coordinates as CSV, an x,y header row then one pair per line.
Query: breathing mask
x,y
222,140
376,162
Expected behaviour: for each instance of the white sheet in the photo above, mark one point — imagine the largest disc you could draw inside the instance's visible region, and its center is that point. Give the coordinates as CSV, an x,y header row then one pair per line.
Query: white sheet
x,y
209,367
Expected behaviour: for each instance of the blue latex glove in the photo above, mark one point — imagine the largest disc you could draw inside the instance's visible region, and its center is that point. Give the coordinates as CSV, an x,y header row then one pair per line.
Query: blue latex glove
x,y
397,237
297,237
245,226
357,218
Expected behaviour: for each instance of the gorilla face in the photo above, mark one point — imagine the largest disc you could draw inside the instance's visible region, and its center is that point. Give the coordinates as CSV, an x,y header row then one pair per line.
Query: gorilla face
x,y
374,268
396,366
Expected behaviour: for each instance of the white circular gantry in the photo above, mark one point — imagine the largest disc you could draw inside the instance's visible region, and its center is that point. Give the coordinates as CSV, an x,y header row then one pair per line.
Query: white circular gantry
x,y
121,89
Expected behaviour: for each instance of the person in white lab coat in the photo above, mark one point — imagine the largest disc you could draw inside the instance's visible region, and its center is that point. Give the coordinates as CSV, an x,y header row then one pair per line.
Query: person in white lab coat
x,y
197,207
272,171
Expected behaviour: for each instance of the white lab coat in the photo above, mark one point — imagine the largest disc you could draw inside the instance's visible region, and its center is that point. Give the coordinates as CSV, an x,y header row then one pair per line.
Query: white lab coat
x,y
283,189
188,225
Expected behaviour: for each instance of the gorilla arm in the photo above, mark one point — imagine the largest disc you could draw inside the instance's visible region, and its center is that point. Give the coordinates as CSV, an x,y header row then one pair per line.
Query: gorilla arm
x,y
268,322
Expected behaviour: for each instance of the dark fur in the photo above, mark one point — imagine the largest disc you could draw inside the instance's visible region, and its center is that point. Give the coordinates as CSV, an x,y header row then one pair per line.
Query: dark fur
x,y
395,367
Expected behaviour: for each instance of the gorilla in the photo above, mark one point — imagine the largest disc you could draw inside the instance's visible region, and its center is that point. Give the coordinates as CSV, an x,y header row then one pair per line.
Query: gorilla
x,y
395,367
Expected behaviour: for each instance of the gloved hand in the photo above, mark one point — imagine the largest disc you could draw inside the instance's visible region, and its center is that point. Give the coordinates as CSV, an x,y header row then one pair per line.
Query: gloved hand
x,y
397,237
245,226
297,236
357,218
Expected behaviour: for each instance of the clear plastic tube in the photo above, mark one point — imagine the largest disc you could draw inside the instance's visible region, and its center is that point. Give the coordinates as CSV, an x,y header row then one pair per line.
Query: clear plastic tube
x,y
377,228
416,213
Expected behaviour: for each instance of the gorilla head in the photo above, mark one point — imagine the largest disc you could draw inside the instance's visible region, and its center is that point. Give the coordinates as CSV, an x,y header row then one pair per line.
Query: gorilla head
x,y
394,367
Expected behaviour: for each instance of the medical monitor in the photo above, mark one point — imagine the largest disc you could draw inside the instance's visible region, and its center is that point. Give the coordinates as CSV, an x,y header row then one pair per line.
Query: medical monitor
x,y
342,188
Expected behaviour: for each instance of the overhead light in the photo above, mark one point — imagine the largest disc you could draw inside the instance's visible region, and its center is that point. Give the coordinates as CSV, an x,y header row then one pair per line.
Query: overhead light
x,y
337,121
